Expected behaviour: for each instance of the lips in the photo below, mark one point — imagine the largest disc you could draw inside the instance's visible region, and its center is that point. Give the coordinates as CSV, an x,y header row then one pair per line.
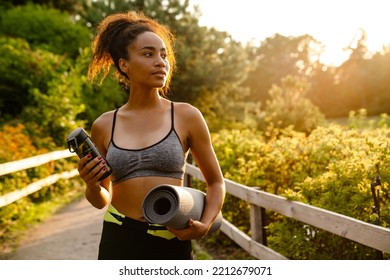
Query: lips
x,y
161,74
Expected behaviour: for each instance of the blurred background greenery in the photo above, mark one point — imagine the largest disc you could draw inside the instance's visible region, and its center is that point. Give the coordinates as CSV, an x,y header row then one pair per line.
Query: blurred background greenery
x,y
280,119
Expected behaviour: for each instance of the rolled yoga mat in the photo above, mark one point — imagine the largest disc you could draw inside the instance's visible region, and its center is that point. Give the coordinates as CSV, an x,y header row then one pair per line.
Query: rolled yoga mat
x,y
173,206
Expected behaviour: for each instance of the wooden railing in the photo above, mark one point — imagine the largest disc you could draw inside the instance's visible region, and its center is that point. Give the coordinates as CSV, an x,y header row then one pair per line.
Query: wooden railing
x,y
365,233
19,165
368,234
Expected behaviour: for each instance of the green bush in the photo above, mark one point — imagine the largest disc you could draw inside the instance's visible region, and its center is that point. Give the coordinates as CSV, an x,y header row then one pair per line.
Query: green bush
x,y
331,168
98,98
40,87
288,106
17,144
46,29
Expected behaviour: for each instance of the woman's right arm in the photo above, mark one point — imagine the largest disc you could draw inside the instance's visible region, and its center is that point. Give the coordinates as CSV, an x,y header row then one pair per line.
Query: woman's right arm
x,y
97,192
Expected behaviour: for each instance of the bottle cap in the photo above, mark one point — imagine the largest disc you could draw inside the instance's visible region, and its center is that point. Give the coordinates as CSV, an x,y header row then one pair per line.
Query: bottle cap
x,y
75,138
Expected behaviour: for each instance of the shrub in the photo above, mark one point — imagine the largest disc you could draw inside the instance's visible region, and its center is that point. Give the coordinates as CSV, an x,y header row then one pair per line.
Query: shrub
x,y
288,106
40,87
14,218
330,168
45,28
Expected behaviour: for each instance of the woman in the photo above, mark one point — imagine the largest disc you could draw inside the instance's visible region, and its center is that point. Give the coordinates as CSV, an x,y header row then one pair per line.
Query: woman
x,y
146,141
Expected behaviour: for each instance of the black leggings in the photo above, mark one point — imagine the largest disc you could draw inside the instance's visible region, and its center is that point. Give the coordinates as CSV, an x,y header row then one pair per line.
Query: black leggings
x,y
131,242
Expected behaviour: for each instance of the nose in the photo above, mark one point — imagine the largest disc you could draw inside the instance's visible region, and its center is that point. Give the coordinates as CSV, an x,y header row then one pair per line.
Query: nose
x,y
160,62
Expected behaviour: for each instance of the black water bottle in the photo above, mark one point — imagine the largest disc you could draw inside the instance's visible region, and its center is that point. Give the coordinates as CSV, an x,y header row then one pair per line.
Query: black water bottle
x,y
80,143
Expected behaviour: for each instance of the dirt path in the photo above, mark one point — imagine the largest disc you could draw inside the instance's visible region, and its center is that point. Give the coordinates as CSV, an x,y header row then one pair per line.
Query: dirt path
x,y
71,234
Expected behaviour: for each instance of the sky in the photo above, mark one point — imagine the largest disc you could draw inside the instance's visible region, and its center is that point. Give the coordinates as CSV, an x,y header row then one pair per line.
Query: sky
x,y
335,23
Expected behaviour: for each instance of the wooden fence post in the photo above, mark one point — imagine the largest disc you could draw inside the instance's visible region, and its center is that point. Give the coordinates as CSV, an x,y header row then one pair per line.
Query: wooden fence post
x,y
258,223
187,177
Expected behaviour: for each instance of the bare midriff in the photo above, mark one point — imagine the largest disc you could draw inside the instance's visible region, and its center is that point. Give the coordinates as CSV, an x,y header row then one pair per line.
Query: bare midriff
x,y
128,196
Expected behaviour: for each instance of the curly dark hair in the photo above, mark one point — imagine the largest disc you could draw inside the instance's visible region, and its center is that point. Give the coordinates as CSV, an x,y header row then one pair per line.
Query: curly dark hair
x,y
115,34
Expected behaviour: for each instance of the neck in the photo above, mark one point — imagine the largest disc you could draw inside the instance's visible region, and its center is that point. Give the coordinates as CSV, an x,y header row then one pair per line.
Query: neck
x,y
141,100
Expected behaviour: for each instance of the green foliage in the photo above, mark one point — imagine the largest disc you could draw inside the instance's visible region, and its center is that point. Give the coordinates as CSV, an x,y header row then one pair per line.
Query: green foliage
x,y
57,109
288,106
39,82
20,70
277,57
40,88
360,120
63,5
211,70
97,98
43,85
324,169
14,218
46,29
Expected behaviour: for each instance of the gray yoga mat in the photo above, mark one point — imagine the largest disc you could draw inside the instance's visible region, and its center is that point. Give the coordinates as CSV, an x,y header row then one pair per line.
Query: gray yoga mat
x,y
173,206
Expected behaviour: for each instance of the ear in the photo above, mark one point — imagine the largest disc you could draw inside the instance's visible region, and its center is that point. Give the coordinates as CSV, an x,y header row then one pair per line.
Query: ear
x,y
123,65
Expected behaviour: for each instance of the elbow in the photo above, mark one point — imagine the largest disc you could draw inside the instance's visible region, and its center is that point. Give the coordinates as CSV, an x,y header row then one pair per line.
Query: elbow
x,y
99,204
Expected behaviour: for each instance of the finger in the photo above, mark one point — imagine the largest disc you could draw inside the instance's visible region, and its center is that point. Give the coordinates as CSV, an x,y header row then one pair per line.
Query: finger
x,y
185,234
88,168
83,161
95,169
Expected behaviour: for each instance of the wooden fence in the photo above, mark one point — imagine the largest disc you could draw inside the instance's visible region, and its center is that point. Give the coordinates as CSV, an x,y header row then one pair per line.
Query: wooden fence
x,y
368,234
10,167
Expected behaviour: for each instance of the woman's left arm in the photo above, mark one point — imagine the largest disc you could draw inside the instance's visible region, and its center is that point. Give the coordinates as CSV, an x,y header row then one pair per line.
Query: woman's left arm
x,y
199,142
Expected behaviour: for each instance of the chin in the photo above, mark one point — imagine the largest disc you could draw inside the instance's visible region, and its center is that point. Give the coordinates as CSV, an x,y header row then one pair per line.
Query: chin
x,y
159,85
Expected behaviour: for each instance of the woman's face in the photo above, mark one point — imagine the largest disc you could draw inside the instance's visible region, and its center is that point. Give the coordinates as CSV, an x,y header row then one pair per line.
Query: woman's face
x,y
147,65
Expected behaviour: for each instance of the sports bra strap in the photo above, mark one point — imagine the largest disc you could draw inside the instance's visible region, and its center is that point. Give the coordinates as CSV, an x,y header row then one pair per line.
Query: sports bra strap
x,y
113,124
172,117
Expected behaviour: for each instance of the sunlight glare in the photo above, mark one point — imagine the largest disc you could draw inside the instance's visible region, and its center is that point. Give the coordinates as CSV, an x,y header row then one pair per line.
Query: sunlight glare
x,y
332,22
334,57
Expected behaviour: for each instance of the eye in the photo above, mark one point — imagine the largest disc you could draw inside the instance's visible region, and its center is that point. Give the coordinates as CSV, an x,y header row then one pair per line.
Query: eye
x,y
148,54
164,55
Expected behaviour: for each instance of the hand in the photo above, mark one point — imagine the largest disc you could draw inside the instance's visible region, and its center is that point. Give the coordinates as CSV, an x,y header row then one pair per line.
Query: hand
x,y
91,171
194,230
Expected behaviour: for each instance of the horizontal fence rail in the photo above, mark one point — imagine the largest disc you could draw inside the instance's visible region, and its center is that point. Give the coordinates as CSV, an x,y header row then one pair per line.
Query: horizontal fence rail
x,y
34,187
367,234
19,165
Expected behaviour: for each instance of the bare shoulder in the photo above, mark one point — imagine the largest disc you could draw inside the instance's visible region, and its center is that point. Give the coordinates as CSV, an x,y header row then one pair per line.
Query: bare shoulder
x,y
190,122
104,120
101,129
187,111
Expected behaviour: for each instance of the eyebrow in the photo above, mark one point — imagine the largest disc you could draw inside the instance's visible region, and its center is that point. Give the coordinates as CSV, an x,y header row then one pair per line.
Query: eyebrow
x,y
152,48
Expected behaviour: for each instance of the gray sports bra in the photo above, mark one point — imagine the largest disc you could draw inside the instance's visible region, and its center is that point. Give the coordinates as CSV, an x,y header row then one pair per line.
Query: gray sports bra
x,y
162,159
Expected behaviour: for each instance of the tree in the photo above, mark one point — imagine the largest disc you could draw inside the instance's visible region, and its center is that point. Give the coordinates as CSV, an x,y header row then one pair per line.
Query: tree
x,y
323,92
288,106
45,28
210,65
63,5
354,79
211,69
277,57
40,83
379,98
171,13
97,98
39,87
360,82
